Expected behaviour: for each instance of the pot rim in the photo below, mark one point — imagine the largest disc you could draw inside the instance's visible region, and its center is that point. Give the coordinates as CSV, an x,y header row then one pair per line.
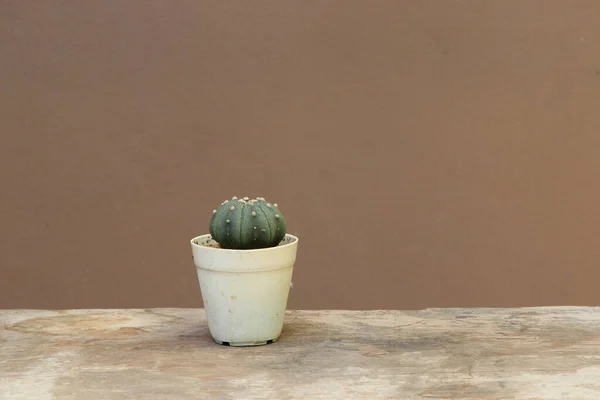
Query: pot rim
x,y
293,242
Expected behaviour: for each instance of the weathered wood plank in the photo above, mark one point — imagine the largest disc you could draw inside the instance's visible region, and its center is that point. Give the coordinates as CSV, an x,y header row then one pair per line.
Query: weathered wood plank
x,y
529,353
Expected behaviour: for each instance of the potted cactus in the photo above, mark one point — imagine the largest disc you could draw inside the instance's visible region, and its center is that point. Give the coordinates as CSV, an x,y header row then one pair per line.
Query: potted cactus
x,y
245,266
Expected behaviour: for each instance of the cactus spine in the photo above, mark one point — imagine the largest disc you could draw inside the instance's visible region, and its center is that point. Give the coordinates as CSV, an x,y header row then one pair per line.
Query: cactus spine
x,y
245,224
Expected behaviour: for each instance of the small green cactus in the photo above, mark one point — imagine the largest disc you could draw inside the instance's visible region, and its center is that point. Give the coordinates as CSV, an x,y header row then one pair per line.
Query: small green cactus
x,y
245,224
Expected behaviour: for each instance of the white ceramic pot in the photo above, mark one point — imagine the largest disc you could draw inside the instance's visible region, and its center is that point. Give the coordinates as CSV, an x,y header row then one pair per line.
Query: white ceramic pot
x,y
245,292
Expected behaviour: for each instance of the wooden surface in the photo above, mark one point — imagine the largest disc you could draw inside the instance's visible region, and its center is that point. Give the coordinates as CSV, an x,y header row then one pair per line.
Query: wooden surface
x,y
530,353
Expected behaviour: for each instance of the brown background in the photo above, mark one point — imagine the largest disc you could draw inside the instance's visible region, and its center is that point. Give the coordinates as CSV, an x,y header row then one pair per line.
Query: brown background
x,y
427,153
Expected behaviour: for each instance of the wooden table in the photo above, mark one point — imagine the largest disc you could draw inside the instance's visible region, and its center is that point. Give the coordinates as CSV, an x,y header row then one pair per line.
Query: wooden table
x,y
526,353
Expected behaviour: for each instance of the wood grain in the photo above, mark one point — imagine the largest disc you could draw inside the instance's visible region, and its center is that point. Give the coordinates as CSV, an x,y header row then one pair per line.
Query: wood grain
x,y
523,354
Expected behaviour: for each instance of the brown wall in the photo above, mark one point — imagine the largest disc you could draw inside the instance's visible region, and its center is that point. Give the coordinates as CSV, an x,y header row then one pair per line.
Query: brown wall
x,y
427,153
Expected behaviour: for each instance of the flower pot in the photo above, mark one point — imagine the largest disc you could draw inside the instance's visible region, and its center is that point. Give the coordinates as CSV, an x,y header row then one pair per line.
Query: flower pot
x,y
245,292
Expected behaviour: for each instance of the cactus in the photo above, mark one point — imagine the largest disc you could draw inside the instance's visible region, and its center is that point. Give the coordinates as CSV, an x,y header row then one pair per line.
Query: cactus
x,y
245,224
